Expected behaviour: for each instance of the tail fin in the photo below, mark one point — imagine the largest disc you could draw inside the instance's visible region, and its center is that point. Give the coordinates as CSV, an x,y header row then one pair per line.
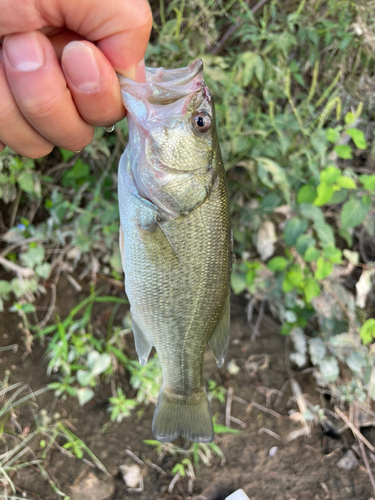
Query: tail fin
x,y
188,416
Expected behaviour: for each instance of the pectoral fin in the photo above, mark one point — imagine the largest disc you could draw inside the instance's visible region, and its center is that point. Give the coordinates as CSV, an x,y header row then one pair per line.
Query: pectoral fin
x,y
219,339
158,247
142,344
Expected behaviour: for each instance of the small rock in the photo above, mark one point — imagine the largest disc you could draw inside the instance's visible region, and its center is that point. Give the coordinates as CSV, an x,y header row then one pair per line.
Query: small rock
x,y
131,474
273,451
232,367
348,461
92,488
238,495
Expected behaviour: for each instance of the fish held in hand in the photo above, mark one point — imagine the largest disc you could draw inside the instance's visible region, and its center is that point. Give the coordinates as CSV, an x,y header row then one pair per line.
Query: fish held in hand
x,y
175,240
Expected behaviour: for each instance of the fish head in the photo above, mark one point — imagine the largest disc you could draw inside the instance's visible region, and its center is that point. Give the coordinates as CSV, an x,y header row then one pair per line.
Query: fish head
x,y
172,129
173,113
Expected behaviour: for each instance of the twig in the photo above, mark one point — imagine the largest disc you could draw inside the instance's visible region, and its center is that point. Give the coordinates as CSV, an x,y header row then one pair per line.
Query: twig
x,y
173,482
237,421
228,407
240,400
156,467
73,282
233,29
266,410
20,271
15,208
281,393
12,247
258,321
51,307
268,431
134,457
354,429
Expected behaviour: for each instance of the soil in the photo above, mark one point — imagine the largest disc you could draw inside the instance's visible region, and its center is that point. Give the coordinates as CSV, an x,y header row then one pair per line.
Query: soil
x,y
265,466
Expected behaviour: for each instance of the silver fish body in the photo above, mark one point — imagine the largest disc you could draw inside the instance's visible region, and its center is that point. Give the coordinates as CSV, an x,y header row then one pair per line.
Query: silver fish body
x,y
175,240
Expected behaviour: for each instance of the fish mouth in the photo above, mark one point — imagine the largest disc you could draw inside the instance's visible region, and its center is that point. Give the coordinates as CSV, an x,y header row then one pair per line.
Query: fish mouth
x,y
164,86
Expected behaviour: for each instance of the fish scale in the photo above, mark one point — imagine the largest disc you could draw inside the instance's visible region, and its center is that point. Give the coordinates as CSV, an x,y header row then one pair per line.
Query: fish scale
x,y
176,241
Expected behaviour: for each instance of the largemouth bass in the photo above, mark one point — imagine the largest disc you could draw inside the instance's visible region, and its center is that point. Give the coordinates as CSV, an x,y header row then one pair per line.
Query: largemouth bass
x,y
175,240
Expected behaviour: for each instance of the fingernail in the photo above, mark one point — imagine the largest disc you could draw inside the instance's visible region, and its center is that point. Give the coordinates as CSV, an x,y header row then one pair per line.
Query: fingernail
x,y
140,72
24,51
81,67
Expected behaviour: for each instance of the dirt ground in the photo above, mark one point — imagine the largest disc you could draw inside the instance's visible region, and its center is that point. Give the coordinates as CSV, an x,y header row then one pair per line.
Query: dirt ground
x,y
265,466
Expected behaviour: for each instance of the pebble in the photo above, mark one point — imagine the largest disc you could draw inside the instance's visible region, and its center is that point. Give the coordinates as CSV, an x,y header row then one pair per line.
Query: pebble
x,y
348,461
92,488
131,474
238,495
273,451
232,367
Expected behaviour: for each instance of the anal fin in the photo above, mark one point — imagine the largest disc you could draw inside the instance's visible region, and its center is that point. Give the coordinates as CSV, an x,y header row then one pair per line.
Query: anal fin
x,y
219,339
142,345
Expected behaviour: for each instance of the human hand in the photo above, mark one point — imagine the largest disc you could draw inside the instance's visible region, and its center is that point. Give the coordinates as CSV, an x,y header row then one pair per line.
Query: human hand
x,y
58,64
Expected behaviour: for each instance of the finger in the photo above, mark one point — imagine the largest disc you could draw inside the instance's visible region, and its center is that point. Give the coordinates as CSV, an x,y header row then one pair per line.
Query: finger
x,y
39,87
2,146
122,28
15,131
93,83
60,40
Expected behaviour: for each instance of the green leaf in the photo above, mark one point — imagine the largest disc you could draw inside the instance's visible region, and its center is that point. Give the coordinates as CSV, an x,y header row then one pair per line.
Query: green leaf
x,y
329,369
304,242
222,429
358,137
295,276
332,134
28,308
354,212
344,151
294,228
325,192
312,254
338,197
271,174
368,182
325,234
323,269
312,212
84,395
66,154
349,118
330,175
346,182
33,256
80,170
367,332
43,270
333,254
84,377
346,236
5,287
238,283
100,364
311,289
26,182
277,264
306,194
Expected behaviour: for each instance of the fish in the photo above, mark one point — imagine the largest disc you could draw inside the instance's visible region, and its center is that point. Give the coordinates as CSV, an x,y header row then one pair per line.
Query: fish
x,y
175,240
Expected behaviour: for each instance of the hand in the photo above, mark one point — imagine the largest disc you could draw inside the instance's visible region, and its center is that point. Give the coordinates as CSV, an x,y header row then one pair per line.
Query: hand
x,y
58,64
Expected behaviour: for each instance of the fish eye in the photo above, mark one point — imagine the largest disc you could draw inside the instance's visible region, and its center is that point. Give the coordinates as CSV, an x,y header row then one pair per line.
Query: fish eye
x,y
201,122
